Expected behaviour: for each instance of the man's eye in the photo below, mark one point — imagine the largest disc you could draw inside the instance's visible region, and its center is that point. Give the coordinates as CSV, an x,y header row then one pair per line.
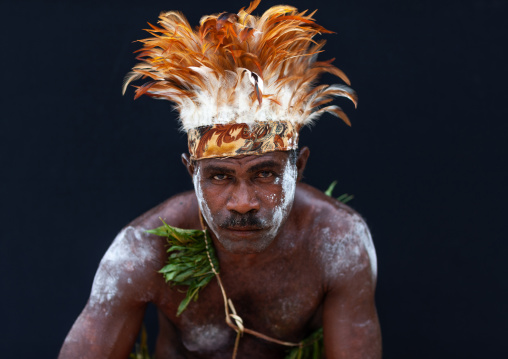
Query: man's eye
x,y
265,174
220,177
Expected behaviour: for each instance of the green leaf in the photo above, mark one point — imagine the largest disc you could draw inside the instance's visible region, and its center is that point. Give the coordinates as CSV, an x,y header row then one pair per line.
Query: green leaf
x,y
205,280
176,247
183,305
159,231
169,267
312,347
184,275
329,191
315,348
345,198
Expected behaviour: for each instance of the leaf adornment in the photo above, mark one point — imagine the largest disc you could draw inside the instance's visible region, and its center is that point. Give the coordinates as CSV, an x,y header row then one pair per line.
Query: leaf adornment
x,y
188,264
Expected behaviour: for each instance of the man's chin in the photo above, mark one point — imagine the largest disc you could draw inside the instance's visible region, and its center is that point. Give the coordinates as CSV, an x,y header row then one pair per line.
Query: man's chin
x,y
244,242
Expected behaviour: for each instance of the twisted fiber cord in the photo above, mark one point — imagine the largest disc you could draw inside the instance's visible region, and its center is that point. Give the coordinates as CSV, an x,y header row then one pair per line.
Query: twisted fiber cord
x,y
237,326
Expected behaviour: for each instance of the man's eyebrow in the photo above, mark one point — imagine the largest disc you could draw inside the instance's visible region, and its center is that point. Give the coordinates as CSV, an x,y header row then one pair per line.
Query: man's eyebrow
x,y
264,165
219,169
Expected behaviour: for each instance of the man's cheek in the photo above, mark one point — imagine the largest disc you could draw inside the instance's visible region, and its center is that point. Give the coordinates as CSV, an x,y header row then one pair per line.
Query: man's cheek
x,y
215,200
272,193
272,199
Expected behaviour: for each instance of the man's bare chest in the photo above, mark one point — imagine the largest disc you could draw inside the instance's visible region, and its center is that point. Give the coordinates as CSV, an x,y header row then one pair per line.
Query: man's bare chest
x,y
280,302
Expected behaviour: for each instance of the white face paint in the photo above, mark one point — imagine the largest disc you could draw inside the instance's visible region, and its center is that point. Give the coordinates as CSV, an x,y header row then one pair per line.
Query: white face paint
x,y
280,212
207,214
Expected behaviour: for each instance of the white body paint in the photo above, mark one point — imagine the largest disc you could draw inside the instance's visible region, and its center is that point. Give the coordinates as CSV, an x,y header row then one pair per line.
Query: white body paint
x,y
206,338
123,256
344,251
371,251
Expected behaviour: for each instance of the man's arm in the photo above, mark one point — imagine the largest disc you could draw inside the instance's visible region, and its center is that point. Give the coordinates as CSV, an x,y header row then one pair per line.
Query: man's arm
x,y
351,326
111,320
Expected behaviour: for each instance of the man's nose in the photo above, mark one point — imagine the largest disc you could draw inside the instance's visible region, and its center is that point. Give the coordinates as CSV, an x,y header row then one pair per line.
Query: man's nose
x,y
243,199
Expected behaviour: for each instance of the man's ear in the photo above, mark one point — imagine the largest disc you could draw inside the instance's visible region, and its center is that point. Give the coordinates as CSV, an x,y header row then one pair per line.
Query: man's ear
x,y
301,161
188,163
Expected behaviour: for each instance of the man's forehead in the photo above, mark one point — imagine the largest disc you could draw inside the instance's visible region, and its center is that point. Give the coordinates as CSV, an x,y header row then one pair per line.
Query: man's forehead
x,y
276,158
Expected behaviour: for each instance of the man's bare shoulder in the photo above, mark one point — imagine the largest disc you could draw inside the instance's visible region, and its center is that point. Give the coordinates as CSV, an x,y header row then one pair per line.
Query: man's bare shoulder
x,y
336,234
179,211
129,267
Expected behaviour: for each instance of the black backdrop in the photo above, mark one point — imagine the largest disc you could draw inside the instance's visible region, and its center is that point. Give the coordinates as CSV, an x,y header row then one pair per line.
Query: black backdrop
x,y
425,159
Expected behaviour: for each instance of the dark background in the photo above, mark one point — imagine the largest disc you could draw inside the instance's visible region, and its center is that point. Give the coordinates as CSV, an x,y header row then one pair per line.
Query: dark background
x,y
425,159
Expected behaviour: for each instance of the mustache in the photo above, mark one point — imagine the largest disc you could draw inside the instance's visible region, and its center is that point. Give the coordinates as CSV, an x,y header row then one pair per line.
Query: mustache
x,y
238,220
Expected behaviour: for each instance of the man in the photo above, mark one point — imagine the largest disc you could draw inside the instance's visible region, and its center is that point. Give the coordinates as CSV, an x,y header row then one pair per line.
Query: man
x,y
292,260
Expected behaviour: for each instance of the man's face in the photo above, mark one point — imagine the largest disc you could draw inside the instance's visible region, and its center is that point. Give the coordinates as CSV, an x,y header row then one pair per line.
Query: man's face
x,y
246,200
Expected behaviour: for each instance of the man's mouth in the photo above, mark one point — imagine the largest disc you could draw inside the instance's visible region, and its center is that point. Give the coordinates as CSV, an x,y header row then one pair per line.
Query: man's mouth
x,y
243,226
243,229
243,232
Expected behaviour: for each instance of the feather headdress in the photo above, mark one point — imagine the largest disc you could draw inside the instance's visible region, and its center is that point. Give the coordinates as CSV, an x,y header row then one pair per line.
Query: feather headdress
x,y
240,69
